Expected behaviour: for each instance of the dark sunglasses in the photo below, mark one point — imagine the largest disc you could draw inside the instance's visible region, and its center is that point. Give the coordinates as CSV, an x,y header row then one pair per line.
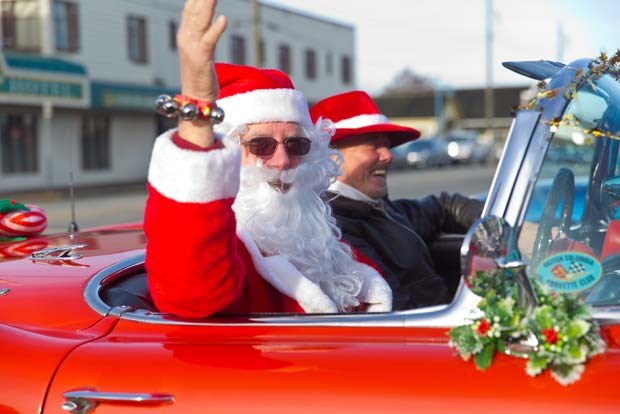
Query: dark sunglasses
x,y
266,146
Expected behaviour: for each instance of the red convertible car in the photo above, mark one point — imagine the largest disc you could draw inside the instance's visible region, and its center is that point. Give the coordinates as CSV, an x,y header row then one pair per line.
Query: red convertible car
x,y
79,334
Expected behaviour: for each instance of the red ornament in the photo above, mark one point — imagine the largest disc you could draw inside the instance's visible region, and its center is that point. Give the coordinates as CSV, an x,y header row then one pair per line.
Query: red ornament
x,y
23,223
551,335
483,327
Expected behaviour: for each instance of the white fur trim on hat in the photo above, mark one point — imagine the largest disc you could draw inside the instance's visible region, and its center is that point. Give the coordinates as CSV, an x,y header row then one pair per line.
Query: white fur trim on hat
x,y
361,121
266,105
194,176
280,273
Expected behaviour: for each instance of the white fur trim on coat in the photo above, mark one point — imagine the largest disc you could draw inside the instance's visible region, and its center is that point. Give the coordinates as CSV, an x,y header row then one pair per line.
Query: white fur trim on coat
x,y
282,275
266,105
360,121
190,176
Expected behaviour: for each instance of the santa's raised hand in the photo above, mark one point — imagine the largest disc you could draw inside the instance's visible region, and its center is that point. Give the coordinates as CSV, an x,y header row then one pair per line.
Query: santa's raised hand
x,y
196,41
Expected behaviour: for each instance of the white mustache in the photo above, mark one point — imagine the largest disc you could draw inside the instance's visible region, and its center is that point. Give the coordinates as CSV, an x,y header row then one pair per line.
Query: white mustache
x,y
259,173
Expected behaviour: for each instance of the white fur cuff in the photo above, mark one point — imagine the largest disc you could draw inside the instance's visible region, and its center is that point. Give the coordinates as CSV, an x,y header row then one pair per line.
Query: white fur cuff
x,y
375,290
194,176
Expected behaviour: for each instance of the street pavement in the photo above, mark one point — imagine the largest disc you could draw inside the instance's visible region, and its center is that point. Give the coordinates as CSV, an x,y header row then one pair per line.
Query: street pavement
x,y
125,204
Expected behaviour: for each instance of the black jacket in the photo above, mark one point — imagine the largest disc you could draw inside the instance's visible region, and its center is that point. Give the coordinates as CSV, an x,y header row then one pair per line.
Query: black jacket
x,y
395,235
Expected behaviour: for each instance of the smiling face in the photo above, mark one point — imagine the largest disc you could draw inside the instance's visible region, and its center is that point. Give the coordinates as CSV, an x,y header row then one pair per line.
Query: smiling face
x,y
366,160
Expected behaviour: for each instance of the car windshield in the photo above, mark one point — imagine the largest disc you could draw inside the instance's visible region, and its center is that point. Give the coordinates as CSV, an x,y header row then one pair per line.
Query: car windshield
x,y
571,232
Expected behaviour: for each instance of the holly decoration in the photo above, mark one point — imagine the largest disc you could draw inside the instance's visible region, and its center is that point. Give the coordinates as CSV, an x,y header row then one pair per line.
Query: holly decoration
x,y
8,206
560,329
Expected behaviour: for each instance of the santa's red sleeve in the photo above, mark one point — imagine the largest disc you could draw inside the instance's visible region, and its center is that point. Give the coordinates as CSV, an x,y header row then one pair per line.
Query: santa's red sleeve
x,y
192,254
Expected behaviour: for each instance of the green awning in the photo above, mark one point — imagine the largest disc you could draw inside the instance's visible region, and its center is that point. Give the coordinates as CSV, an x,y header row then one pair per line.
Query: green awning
x,y
19,61
29,78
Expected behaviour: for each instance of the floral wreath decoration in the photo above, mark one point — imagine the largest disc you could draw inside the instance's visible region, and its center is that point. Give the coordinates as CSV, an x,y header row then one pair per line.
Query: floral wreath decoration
x,y
560,329
560,332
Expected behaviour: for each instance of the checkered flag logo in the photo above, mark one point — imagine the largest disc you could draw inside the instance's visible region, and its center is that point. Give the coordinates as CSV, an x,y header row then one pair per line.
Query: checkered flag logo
x,y
576,267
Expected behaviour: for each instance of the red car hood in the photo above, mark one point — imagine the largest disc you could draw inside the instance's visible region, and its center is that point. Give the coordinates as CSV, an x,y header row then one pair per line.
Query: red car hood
x,y
62,305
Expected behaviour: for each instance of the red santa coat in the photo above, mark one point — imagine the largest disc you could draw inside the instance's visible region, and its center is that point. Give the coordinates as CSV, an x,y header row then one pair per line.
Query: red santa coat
x,y
197,260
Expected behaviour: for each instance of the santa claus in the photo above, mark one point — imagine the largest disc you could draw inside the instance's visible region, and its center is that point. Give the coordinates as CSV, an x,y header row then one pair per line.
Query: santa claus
x,y
234,219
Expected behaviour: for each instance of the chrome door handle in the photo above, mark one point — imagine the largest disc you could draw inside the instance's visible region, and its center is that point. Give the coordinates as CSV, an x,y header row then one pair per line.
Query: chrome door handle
x,y
84,401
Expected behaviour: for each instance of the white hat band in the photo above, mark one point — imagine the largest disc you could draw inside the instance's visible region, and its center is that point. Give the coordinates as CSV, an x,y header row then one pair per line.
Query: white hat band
x,y
361,121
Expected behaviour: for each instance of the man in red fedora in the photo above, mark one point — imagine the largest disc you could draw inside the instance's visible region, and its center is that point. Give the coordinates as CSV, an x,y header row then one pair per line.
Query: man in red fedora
x,y
393,233
234,218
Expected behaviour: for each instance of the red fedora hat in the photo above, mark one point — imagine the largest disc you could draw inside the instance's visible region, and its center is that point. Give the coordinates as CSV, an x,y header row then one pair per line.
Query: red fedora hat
x,y
355,113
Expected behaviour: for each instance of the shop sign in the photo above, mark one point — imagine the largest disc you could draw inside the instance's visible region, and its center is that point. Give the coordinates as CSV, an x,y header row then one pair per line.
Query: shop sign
x,y
40,88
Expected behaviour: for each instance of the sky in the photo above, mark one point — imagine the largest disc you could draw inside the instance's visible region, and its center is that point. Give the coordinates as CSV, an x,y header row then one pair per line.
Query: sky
x,y
445,39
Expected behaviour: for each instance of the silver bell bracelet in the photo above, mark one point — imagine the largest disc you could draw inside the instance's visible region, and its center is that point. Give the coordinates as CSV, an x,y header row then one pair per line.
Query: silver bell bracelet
x,y
188,108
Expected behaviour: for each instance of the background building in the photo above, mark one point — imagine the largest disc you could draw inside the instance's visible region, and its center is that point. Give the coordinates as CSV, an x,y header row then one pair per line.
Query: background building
x,y
78,79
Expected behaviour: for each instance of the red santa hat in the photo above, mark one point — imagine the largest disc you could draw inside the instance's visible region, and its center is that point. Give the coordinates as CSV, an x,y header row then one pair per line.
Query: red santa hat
x,y
250,95
355,113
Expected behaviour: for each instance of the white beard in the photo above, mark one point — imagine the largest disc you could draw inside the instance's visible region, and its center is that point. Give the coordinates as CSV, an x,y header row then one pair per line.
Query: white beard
x,y
298,225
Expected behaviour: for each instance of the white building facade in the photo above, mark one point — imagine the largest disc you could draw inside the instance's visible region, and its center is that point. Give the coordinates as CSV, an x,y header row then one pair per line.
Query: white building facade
x,y
78,79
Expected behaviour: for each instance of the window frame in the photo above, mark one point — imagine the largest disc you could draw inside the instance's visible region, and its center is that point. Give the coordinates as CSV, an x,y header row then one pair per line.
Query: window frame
x,y
285,58
71,26
14,161
173,28
95,149
311,63
238,49
346,69
137,50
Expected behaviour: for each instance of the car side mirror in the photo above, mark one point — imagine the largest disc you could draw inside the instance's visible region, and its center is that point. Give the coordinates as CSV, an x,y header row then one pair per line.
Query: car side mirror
x,y
487,240
490,245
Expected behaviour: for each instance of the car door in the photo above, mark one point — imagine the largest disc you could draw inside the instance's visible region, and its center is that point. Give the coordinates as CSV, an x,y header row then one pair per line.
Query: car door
x,y
305,364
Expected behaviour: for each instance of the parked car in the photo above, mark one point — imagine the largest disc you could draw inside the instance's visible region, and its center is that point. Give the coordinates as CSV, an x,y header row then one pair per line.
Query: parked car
x,y
78,331
466,147
421,153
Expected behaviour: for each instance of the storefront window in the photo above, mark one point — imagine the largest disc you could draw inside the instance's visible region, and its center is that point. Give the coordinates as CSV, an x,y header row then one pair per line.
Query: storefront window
x,y
95,143
19,143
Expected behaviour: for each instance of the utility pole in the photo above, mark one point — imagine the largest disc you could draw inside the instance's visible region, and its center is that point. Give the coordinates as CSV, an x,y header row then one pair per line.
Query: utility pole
x,y
256,43
489,101
561,42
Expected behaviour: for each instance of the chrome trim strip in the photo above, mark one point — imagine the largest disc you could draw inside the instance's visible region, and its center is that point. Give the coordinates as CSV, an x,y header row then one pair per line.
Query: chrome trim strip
x,y
459,312
607,315
509,167
110,273
450,315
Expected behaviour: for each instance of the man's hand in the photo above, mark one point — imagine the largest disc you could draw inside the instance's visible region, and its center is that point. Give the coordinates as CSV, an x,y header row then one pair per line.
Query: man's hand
x,y
196,40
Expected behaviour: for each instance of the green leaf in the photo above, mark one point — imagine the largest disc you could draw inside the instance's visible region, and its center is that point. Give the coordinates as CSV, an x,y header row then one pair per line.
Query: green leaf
x,y
536,364
543,316
7,206
484,358
576,353
577,328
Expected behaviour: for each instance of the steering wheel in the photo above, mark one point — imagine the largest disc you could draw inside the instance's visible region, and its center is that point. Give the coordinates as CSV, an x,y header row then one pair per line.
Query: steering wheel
x,y
561,193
